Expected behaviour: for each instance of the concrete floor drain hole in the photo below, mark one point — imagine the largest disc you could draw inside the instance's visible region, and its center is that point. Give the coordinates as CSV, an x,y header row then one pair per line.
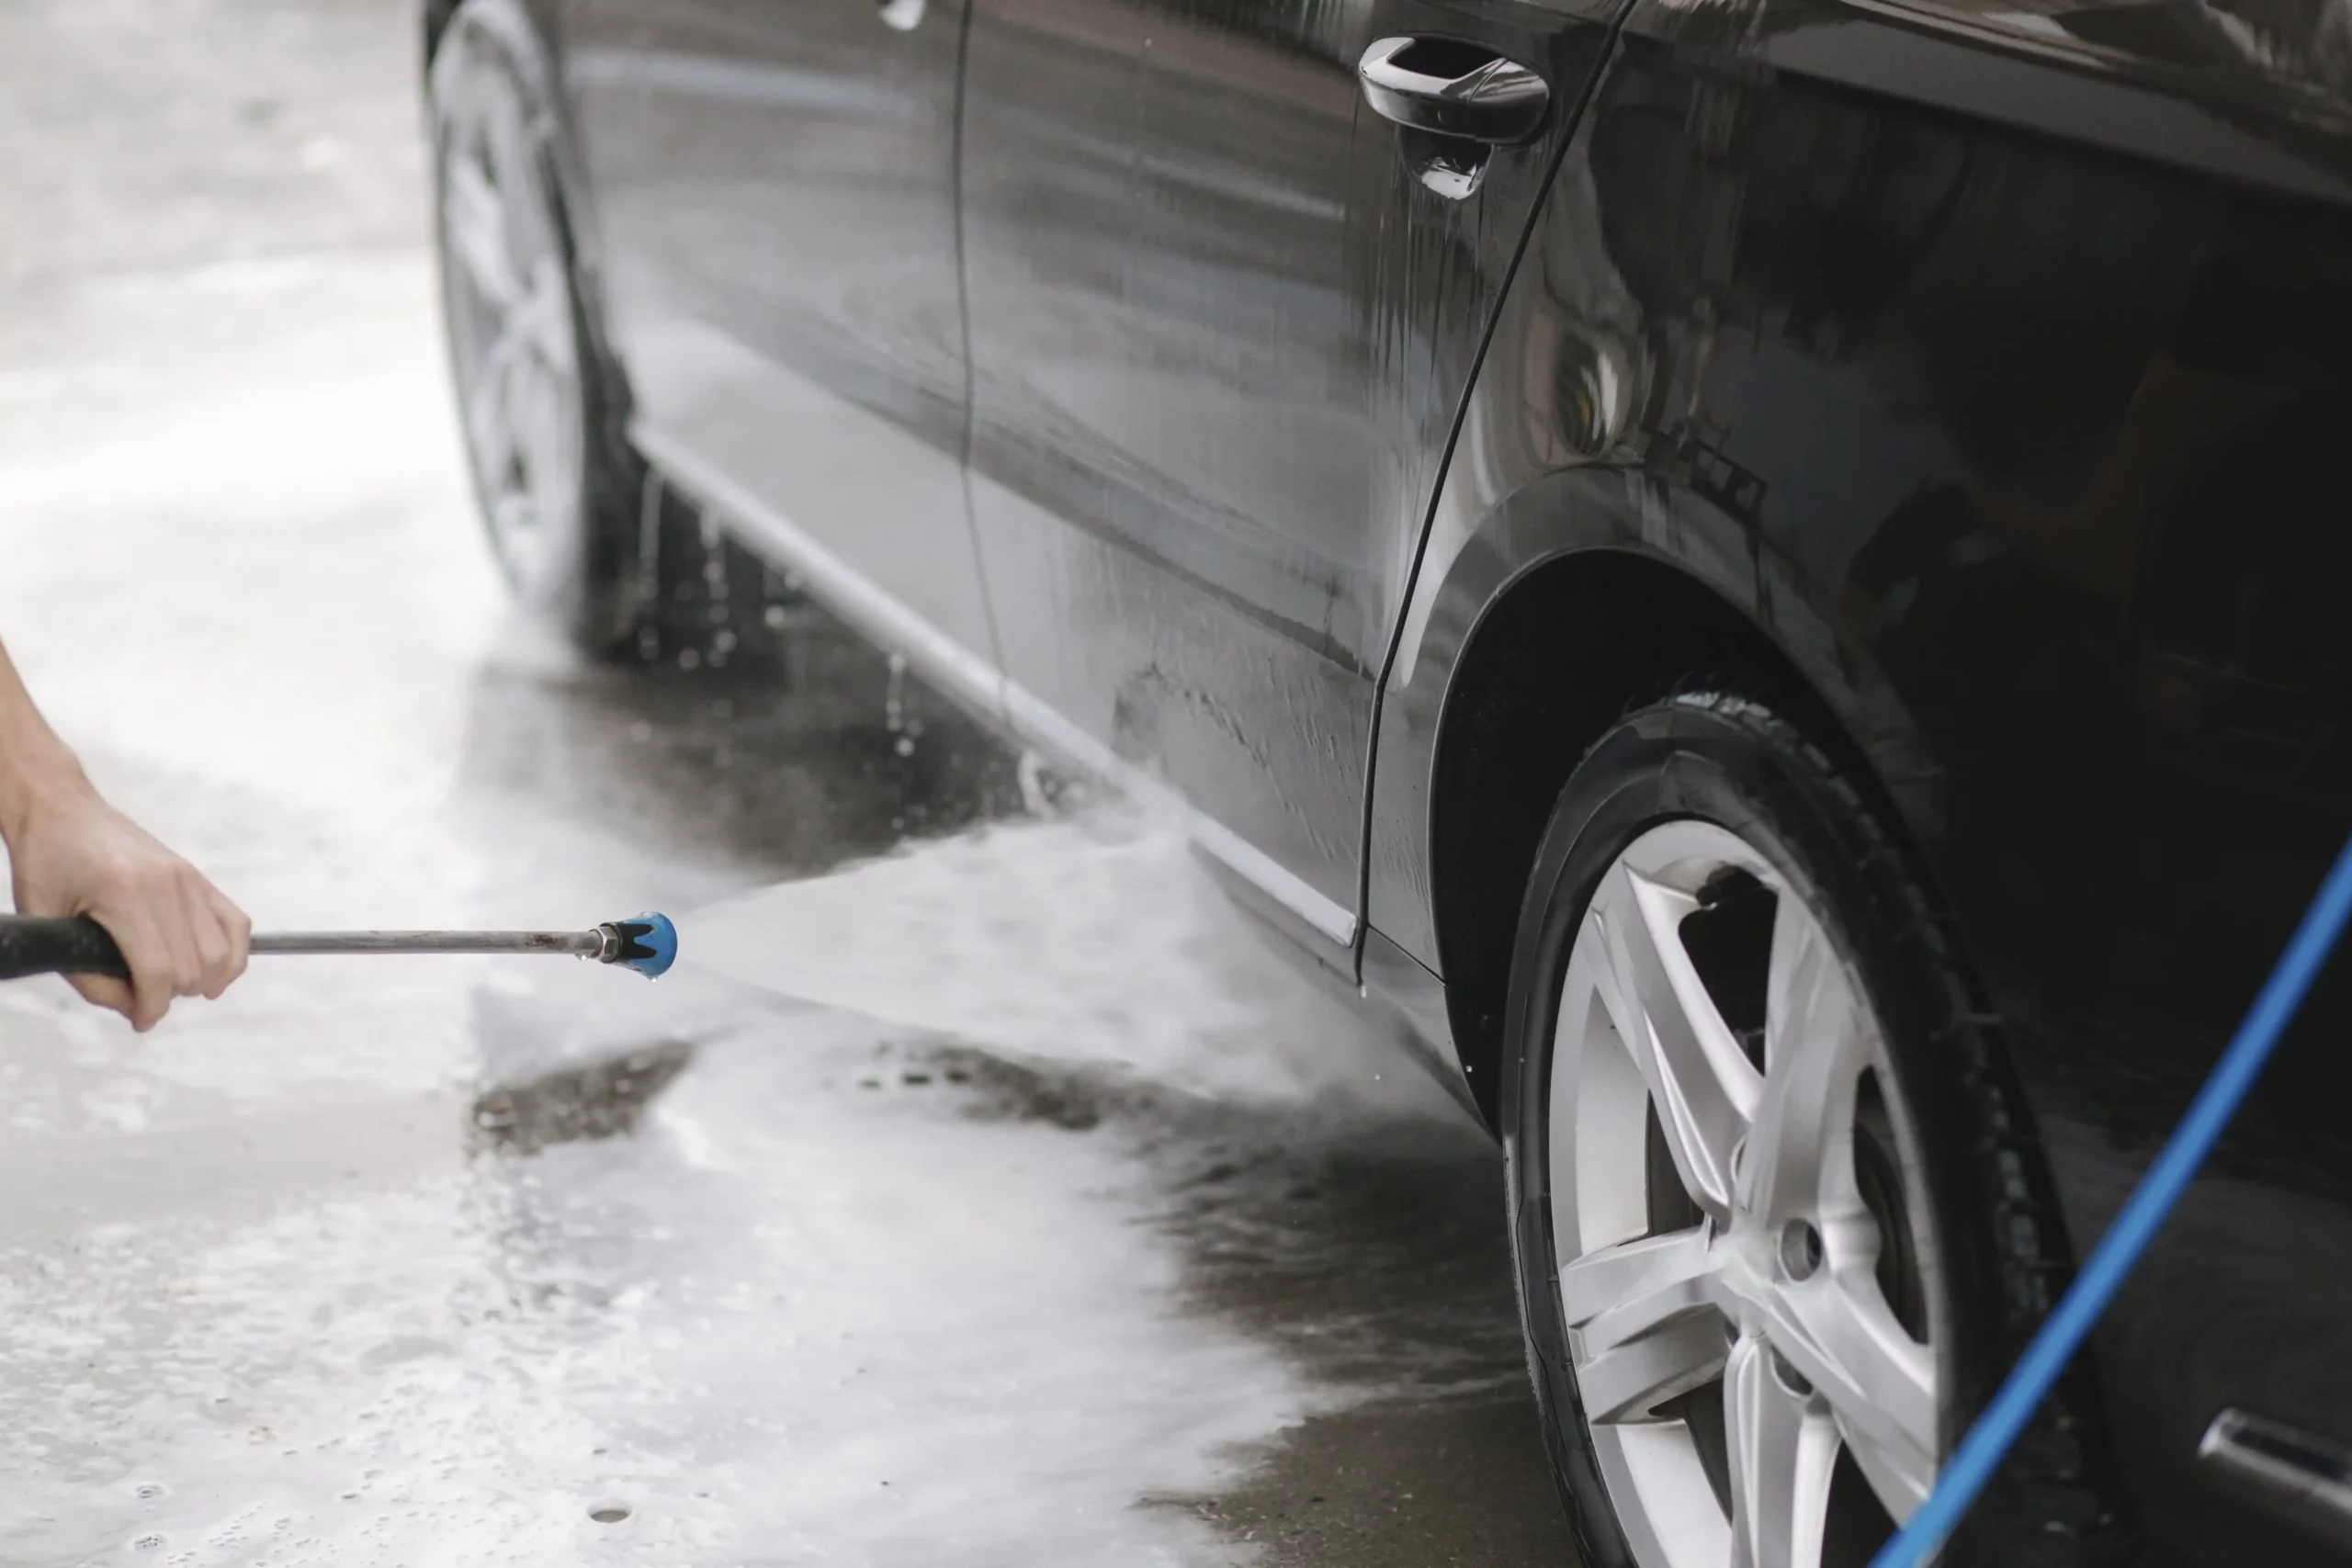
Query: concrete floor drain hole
x,y
609,1514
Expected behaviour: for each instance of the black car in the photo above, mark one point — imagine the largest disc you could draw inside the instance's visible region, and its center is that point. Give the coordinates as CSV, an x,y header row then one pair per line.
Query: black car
x,y
1767,577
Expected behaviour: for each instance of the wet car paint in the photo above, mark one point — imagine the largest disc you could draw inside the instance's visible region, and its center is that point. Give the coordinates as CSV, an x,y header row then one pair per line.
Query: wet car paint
x,y
1260,583
2020,449
773,221
1219,332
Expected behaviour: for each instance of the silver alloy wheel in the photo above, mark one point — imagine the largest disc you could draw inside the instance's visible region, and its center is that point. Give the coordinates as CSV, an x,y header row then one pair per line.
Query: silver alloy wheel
x,y
1773,1297
513,334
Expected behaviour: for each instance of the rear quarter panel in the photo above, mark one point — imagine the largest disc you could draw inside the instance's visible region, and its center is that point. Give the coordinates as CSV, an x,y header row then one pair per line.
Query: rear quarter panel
x,y
2026,447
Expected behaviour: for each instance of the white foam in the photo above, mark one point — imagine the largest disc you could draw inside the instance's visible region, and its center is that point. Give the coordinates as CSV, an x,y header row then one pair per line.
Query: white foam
x,y
871,1329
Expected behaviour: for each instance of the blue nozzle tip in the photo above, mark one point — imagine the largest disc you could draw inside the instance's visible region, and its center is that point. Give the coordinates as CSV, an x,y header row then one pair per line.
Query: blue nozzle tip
x,y
652,944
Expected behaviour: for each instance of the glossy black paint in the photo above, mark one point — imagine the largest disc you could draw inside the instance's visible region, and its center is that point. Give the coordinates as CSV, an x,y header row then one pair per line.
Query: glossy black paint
x,y
1219,332
1968,377
774,192
2018,454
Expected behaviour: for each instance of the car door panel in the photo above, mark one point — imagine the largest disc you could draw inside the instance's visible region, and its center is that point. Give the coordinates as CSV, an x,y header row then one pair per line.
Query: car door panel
x,y
1219,333
774,185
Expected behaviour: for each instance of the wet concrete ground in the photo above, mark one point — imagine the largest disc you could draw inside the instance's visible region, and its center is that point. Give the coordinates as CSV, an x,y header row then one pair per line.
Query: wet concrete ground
x,y
464,1262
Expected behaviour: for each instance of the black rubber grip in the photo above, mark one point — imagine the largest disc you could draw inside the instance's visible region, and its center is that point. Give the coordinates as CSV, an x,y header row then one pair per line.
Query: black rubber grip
x,y
30,944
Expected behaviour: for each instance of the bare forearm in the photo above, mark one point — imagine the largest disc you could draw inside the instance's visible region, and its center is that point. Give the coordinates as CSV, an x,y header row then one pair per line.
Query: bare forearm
x,y
71,854
36,767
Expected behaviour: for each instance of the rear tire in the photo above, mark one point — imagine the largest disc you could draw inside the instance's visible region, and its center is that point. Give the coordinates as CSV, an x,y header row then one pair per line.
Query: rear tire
x,y
1750,1102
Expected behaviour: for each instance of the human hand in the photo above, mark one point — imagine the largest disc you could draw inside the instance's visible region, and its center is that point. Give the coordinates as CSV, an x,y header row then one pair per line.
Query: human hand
x,y
74,854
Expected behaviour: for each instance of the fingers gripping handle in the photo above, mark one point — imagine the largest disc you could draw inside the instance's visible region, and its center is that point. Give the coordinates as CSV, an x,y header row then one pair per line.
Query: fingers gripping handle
x,y
32,944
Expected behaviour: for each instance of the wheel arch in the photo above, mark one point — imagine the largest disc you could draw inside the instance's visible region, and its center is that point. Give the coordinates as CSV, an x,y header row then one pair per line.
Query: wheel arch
x,y
1567,624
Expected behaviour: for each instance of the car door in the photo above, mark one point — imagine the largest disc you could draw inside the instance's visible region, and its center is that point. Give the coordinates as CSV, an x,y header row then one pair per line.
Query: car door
x,y
1222,311
773,187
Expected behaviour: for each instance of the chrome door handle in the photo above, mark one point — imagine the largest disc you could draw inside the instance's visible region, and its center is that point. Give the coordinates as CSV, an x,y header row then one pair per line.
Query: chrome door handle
x,y
1452,88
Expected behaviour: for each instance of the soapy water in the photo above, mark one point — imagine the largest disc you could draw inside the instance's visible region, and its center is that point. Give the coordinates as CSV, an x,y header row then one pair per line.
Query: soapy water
x,y
788,1318
868,1258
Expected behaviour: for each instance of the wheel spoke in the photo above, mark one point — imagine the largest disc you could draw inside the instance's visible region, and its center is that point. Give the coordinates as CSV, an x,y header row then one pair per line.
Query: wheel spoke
x,y
475,218
513,518
1619,1293
540,319
1880,1382
1702,1082
1800,1152
1647,1326
490,415
1633,1378
1783,1450
1836,1327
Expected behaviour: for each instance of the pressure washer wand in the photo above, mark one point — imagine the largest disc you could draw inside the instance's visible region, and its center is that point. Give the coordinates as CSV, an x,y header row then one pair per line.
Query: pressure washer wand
x,y
35,945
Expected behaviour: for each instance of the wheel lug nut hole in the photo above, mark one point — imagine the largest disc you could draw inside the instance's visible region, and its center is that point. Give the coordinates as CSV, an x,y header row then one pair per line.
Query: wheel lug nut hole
x,y
1801,1250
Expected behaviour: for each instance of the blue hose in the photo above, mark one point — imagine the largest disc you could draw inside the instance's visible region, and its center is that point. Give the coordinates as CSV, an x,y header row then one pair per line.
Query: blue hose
x,y
1981,1452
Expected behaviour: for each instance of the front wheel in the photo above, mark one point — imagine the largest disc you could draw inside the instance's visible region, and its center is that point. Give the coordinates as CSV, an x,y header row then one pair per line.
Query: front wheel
x,y
559,490
1771,1231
